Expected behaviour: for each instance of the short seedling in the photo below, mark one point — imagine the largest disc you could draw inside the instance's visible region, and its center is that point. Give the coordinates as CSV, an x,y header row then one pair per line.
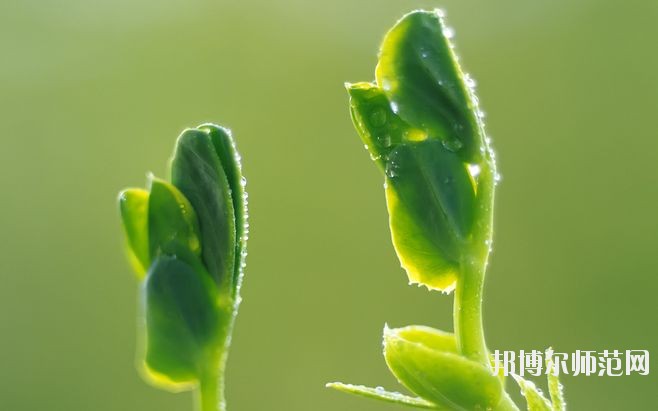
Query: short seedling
x,y
187,243
421,123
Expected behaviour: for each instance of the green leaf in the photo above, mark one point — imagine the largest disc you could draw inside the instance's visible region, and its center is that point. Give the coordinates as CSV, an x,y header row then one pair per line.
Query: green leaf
x,y
419,124
183,329
198,173
533,396
431,201
438,376
173,226
381,394
378,126
133,204
430,337
419,74
230,160
555,388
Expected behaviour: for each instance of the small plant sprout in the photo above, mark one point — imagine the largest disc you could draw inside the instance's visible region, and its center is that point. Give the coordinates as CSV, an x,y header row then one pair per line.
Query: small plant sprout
x,y
422,126
187,243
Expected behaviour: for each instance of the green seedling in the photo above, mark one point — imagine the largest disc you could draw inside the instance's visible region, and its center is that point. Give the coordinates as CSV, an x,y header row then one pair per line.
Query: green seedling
x,y
421,123
187,243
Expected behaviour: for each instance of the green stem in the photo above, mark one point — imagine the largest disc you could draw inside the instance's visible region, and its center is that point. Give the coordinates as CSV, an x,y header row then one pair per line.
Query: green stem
x,y
210,394
468,312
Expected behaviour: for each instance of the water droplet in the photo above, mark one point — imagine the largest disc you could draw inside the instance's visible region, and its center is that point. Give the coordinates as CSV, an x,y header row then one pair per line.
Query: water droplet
x,y
378,117
469,81
453,145
394,107
497,178
392,169
384,140
448,32
481,114
474,170
243,181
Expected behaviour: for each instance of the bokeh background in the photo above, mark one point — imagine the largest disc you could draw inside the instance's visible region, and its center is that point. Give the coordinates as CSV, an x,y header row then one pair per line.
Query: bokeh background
x,y
94,93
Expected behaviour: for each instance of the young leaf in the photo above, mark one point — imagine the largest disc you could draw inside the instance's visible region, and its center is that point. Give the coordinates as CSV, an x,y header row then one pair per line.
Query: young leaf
x,y
173,224
555,388
182,323
441,377
533,396
420,126
224,145
197,172
419,74
133,204
430,337
380,129
387,396
430,199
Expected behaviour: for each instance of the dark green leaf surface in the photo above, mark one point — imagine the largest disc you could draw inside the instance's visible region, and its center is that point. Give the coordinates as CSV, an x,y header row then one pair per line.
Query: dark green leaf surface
x,y
196,170
431,200
378,126
182,322
419,74
224,144
420,126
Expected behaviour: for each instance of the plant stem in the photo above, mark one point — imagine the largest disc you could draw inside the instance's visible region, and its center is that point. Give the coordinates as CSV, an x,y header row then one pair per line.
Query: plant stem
x,y
468,312
210,394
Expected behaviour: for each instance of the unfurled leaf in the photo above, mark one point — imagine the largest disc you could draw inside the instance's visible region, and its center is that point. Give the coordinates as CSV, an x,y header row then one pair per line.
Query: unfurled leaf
x,y
420,124
383,395
419,73
430,199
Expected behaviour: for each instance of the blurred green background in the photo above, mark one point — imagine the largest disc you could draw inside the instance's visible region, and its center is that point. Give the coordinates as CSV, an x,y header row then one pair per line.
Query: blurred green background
x,y
94,93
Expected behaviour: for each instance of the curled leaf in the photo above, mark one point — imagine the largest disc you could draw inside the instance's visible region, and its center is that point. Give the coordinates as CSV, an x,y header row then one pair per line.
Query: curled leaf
x,y
230,161
133,205
441,377
173,226
197,171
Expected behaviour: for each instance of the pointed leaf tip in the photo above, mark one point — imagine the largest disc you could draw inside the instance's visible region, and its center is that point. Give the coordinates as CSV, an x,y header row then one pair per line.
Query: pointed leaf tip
x,y
133,206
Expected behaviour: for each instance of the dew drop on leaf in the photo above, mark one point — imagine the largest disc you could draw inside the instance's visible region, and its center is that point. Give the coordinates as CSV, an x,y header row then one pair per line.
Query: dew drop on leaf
x,y
453,145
